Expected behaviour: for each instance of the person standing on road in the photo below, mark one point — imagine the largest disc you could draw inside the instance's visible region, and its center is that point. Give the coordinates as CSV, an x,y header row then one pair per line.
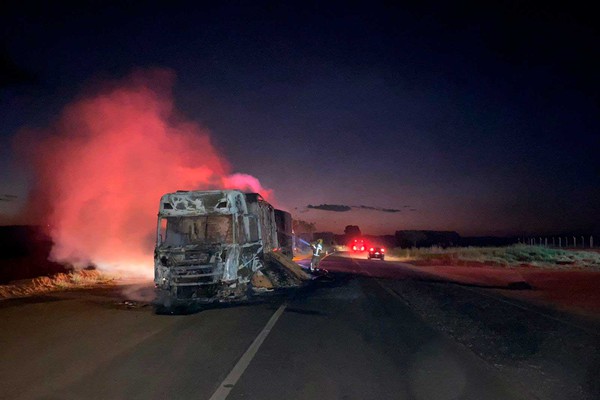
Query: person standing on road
x,y
317,250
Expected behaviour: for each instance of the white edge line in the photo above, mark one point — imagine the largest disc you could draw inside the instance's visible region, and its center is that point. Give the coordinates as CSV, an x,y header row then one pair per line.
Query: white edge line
x,y
234,375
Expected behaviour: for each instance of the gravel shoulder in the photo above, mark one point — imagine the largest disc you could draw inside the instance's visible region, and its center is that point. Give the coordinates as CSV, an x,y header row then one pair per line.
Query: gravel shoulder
x,y
554,355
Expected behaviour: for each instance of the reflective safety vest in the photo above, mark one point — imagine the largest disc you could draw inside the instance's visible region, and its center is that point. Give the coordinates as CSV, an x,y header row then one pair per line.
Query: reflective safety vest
x,y
317,249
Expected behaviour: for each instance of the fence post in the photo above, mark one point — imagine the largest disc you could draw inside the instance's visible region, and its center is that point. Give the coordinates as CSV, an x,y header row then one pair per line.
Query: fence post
x,y
559,242
546,242
591,242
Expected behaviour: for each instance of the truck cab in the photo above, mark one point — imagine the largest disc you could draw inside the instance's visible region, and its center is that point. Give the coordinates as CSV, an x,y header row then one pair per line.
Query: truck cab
x,y
209,244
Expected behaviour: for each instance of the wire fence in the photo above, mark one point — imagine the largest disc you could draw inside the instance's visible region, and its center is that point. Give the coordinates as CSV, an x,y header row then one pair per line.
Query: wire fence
x,y
571,242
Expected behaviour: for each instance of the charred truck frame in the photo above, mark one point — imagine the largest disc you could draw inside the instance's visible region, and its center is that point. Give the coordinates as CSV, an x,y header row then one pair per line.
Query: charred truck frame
x,y
211,245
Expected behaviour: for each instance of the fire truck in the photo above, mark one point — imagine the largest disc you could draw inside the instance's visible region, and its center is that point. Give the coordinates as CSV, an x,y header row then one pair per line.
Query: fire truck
x,y
358,245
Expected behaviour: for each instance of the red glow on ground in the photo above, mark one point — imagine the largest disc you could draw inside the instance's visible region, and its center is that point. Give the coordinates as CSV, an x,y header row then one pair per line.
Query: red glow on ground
x,y
102,166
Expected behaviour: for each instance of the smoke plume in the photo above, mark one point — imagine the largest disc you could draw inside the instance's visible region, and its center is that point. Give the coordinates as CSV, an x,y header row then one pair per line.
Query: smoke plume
x,y
102,166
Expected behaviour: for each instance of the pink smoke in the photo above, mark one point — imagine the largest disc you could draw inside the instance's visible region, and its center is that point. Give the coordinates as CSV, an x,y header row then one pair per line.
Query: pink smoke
x,y
102,166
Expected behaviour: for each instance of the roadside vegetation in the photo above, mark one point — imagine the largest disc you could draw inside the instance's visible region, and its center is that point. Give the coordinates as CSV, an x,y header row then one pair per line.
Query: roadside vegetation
x,y
513,256
61,281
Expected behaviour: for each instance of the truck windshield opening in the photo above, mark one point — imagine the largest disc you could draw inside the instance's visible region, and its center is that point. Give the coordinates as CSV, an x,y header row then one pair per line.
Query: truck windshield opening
x,y
207,229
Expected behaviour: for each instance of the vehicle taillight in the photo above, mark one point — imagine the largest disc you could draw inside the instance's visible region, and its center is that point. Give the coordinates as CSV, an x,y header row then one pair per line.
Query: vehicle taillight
x,y
362,248
371,249
382,250
353,247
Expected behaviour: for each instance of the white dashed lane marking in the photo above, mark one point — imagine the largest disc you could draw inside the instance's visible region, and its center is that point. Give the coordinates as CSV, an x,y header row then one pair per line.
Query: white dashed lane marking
x,y
227,385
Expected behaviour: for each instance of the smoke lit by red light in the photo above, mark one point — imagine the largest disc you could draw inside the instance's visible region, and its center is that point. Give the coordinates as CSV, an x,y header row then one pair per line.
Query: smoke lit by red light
x,y
102,166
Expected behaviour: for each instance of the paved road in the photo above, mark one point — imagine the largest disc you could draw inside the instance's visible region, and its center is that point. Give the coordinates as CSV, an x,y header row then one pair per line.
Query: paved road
x,y
355,337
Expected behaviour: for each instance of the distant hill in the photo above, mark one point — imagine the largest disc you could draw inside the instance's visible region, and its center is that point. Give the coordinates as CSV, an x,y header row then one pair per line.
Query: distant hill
x,y
427,238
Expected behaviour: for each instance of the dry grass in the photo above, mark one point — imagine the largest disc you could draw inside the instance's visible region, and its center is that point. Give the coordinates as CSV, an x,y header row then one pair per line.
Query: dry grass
x,y
45,284
512,256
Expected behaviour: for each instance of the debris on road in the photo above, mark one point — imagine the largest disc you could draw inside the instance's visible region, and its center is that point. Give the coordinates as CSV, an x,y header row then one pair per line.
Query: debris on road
x,y
128,304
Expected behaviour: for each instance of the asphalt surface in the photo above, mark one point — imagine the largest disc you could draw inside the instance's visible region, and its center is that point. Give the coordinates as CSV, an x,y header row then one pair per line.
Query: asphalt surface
x,y
352,336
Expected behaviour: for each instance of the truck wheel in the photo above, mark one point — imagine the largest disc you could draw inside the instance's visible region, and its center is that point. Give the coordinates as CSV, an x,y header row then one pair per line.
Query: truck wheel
x,y
164,308
164,303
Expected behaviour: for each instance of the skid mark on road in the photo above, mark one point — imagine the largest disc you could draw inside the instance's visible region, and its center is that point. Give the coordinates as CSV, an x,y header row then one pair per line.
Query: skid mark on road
x,y
227,385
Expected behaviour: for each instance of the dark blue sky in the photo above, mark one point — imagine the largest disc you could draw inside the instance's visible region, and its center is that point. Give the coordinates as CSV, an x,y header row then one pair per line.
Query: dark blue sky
x,y
482,119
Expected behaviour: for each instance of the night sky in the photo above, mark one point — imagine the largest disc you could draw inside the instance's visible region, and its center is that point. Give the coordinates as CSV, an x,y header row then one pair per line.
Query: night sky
x,y
475,118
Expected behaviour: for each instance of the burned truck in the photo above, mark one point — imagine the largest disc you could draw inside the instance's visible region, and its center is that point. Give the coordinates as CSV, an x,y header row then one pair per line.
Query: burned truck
x,y
217,246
